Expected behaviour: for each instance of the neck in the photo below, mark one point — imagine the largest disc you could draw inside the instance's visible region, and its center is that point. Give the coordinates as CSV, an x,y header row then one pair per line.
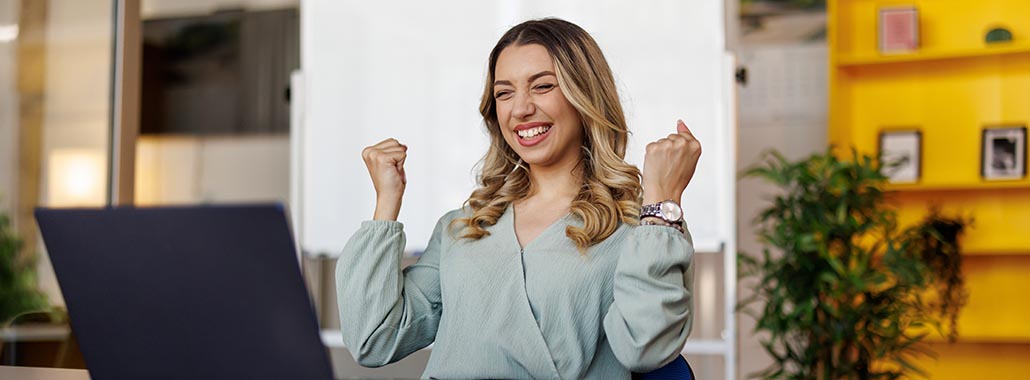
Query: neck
x,y
555,182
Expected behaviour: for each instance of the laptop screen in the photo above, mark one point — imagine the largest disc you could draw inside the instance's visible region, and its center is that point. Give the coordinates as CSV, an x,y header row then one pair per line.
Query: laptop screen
x,y
208,292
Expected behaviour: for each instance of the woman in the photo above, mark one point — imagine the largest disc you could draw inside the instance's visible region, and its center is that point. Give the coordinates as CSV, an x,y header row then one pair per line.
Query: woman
x,y
550,270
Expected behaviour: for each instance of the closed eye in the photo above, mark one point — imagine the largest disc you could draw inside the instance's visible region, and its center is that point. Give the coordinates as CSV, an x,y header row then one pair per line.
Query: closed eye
x,y
502,95
544,87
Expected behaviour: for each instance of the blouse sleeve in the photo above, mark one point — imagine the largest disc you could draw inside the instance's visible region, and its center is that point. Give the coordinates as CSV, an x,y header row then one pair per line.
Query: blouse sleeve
x,y
652,312
387,314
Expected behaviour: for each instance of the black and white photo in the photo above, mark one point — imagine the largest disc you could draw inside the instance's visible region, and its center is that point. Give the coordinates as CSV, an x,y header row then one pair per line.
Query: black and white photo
x,y
1004,153
901,153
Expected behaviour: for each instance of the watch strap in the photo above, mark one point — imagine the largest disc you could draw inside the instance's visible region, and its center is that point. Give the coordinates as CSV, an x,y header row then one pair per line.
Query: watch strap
x,y
655,210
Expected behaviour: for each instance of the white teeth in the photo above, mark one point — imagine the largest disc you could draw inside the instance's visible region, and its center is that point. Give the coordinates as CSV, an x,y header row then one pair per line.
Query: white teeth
x,y
533,132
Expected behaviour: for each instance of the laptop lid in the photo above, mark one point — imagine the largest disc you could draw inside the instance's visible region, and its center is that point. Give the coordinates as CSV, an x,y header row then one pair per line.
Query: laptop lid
x,y
208,292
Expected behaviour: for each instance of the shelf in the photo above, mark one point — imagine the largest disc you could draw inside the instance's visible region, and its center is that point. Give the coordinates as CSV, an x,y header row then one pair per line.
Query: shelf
x,y
937,339
951,87
959,186
929,55
973,251
35,333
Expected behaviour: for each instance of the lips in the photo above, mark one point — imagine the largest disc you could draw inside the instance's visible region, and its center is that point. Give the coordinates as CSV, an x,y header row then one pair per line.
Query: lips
x,y
530,134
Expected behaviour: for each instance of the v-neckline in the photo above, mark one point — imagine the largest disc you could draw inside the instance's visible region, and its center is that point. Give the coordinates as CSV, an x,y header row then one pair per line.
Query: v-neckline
x,y
515,233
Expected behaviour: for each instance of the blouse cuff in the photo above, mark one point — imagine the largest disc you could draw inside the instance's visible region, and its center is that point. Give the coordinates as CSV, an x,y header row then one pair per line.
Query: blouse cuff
x,y
388,226
665,231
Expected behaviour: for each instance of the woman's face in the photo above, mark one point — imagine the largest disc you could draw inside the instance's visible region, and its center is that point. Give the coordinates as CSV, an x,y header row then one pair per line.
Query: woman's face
x,y
535,118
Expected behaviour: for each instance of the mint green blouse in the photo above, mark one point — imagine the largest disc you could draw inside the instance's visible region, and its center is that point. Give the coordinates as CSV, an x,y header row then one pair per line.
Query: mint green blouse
x,y
497,311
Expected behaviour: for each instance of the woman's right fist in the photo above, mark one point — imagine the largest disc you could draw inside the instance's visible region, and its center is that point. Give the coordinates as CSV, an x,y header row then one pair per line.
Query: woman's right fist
x,y
385,162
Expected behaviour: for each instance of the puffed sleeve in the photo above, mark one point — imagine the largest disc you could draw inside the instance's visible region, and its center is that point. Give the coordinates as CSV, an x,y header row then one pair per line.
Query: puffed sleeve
x,y
386,314
651,315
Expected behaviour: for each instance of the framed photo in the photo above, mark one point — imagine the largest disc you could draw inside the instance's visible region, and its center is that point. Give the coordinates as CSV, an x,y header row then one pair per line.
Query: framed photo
x,y
899,29
1003,152
902,154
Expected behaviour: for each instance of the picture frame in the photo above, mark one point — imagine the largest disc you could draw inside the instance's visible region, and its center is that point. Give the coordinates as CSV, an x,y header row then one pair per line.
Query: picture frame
x,y
1003,152
903,146
899,29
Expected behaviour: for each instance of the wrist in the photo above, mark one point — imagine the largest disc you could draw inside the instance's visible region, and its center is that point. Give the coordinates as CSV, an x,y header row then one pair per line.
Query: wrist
x,y
652,198
387,210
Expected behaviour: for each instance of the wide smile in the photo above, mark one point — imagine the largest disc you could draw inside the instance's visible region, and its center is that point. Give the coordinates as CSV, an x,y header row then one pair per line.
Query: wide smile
x,y
532,133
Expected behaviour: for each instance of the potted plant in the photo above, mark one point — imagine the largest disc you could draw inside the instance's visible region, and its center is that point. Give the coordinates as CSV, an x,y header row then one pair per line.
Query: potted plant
x,y
936,242
841,288
19,293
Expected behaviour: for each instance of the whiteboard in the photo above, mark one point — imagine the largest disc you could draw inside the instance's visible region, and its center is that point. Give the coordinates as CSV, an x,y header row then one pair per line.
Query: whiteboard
x,y
415,71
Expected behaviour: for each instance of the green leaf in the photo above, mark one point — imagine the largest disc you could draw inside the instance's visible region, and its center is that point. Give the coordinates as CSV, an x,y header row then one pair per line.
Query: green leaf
x,y
849,282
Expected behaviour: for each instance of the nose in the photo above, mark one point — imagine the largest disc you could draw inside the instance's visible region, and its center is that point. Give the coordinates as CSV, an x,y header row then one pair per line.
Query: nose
x,y
523,106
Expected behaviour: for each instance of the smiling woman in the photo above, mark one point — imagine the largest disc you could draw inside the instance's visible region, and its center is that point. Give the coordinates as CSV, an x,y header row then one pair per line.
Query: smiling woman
x,y
552,269
527,66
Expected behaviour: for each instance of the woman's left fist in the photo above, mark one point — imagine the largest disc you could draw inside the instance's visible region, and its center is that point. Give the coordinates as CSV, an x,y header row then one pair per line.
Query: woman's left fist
x,y
669,164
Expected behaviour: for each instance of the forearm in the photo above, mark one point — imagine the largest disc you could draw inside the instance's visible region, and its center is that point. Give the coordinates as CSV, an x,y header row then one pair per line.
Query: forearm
x,y
388,207
657,195
652,312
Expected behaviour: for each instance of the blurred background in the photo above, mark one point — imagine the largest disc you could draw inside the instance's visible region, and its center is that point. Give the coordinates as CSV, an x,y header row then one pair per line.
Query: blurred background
x,y
179,102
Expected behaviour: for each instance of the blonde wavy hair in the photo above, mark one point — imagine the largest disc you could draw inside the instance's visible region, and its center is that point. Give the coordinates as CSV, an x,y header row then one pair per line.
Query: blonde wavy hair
x,y
610,192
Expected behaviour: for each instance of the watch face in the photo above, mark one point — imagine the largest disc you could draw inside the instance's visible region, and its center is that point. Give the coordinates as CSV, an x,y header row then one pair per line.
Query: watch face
x,y
671,211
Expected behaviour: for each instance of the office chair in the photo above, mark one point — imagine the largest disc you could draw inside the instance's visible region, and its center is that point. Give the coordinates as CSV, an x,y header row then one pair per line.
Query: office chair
x,y
678,369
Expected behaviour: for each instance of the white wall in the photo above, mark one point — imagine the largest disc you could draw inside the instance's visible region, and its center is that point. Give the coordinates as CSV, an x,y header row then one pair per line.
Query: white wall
x,y
374,70
782,107
415,71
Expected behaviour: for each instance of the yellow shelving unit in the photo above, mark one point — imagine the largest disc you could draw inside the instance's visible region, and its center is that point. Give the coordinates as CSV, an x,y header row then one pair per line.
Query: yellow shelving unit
x,y
950,88
995,50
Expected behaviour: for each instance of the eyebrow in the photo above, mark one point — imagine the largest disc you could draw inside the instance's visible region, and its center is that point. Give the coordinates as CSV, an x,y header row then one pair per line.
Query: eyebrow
x,y
531,78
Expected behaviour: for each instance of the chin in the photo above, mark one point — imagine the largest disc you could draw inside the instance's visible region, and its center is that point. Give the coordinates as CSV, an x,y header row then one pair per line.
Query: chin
x,y
540,159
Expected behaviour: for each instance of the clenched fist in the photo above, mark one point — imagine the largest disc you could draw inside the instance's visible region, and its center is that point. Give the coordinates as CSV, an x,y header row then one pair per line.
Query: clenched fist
x,y
669,164
385,162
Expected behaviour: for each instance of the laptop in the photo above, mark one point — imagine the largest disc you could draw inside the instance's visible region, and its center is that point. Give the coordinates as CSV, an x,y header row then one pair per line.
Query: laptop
x,y
207,292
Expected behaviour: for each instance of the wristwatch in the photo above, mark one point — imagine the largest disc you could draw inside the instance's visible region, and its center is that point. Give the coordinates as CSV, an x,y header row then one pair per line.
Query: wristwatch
x,y
667,210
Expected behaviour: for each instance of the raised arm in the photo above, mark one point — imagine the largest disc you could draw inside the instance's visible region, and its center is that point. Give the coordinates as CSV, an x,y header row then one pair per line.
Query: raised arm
x,y
387,314
651,315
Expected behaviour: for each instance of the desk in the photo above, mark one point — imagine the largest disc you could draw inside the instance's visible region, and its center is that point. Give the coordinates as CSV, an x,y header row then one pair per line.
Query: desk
x,y
35,333
31,373
39,345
